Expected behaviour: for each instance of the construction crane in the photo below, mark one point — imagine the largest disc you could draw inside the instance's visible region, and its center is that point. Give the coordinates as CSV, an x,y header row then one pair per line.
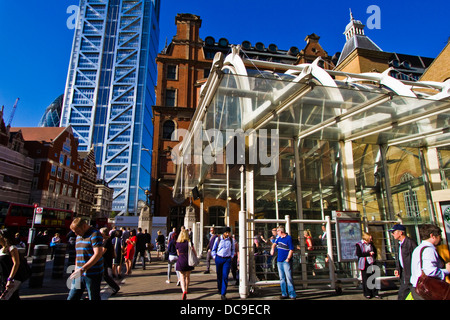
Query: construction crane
x,y
11,116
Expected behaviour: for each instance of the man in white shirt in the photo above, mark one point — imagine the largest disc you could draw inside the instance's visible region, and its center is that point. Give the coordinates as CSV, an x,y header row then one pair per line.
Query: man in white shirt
x,y
432,265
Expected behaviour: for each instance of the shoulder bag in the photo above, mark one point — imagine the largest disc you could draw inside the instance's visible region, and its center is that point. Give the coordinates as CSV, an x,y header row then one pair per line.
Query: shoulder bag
x,y
192,258
430,288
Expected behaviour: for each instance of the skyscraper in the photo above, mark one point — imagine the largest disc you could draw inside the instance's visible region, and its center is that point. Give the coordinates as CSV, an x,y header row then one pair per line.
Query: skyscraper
x,y
110,92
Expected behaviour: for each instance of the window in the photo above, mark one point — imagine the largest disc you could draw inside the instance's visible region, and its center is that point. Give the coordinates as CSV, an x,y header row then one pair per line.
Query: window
x,y
34,183
51,186
61,158
71,177
64,191
171,97
57,187
53,172
66,175
68,161
172,72
37,167
410,197
216,216
60,171
168,129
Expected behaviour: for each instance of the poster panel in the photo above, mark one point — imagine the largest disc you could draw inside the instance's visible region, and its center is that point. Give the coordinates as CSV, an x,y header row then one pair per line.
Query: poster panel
x,y
348,233
445,209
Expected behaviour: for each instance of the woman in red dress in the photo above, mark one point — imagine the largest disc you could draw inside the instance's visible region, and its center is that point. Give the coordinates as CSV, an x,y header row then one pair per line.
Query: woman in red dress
x,y
131,244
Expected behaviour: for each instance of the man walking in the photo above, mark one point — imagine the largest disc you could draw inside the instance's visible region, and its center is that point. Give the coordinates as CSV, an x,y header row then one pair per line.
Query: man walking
x,y
403,263
211,238
222,252
89,261
140,248
285,249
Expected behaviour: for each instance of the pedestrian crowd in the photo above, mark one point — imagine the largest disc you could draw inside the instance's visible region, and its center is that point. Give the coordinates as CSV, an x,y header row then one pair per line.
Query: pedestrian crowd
x,y
100,255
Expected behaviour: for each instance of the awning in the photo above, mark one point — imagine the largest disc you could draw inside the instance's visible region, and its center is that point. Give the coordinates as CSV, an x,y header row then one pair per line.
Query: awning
x,y
304,101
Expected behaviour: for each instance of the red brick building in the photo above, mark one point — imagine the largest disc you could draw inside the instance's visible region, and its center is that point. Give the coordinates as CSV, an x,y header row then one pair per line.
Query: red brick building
x,y
183,66
57,166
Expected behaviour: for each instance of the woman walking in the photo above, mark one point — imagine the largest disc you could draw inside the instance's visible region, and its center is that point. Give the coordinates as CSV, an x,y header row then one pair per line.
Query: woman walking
x,y
173,257
118,258
131,244
183,266
367,253
160,245
9,266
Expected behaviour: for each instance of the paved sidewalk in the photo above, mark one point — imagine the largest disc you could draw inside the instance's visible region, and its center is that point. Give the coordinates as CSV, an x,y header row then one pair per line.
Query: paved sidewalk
x,y
150,284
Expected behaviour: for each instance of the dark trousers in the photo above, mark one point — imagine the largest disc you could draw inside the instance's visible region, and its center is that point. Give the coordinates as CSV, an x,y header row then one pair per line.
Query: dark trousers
x,y
404,289
365,284
208,260
141,252
110,281
223,266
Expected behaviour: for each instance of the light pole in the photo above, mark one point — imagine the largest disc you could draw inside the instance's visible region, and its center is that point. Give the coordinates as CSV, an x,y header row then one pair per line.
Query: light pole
x,y
147,191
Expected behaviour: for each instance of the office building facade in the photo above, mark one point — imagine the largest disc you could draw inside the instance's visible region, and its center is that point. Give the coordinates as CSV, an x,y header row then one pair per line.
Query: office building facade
x,y
110,91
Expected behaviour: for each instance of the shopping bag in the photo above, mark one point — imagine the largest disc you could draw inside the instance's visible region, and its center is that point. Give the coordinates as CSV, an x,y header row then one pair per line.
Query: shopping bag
x,y
192,258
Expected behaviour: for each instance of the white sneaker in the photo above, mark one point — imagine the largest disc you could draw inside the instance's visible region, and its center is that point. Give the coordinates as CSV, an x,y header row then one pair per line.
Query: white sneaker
x,y
167,281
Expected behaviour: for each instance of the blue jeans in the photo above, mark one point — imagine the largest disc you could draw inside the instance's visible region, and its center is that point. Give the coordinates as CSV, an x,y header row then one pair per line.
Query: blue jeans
x,y
286,281
223,266
91,283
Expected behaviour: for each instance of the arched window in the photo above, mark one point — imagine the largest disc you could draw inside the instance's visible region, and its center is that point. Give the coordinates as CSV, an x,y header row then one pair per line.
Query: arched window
x,y
168,129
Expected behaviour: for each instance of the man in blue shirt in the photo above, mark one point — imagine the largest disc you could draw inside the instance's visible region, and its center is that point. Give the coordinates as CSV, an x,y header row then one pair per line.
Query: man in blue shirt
x,y
432,264
222,252
285,249
89,261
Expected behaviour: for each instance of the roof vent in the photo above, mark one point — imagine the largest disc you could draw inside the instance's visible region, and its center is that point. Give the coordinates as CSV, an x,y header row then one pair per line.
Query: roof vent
x,y
210,41
293,51
246,45
273,48
223,42
259,46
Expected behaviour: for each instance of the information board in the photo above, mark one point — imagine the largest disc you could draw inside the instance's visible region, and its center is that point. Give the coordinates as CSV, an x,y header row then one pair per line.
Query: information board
x,y
348,234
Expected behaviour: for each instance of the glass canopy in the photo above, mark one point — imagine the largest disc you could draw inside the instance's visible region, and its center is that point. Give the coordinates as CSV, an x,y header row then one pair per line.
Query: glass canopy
x,y
242,102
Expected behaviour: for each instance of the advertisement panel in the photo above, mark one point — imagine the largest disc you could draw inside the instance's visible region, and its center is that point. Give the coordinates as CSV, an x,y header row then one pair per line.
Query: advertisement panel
x,y
348,233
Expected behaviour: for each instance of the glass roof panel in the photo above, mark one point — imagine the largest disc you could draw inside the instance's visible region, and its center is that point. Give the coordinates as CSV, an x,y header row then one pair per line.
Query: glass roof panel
x,y
298,105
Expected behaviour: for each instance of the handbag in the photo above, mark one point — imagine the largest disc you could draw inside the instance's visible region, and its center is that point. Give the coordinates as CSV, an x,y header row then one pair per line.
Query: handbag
x,y
192,258
24,271
430,288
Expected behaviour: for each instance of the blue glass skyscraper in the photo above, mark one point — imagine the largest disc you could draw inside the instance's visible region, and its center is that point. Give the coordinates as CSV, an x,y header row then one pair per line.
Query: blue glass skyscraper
x,y
110,91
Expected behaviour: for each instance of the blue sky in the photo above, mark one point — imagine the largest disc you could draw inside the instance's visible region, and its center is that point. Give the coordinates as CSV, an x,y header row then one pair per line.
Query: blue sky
x,y
35,42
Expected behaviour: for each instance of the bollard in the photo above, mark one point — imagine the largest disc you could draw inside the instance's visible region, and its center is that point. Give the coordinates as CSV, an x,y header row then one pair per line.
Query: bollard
x,y
38,266
59,260
72,255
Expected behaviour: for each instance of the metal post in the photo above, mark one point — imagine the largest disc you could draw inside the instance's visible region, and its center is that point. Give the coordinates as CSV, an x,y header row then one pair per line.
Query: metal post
x,y
288,224
243,261
300,209
330,253
243,269
32,233
201,228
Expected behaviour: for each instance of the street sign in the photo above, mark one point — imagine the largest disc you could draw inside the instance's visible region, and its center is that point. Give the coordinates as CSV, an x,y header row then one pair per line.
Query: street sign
x,y
39,210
